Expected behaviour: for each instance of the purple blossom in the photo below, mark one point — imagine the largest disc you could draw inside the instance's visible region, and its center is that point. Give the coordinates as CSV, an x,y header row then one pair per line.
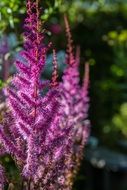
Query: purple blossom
x,y
45,134
55,28
75,103
2,177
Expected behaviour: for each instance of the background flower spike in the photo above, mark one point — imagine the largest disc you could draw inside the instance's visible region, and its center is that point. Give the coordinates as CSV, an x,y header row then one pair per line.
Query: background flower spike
x,y
70,52
54,81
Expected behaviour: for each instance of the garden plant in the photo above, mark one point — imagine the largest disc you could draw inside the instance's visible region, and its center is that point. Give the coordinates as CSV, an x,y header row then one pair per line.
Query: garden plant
x,y
45,126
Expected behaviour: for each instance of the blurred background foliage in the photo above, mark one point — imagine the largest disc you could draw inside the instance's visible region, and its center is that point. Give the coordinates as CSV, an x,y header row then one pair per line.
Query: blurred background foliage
x,y
100,28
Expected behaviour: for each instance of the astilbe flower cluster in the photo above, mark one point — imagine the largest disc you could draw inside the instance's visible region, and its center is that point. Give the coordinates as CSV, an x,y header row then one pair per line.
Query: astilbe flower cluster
x,y
75,104
44,132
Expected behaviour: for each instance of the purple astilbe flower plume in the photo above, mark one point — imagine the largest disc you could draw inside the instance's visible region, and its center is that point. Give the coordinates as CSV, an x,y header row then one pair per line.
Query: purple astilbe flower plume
x,y
54,81
30,130
75,103
45,132
2,177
